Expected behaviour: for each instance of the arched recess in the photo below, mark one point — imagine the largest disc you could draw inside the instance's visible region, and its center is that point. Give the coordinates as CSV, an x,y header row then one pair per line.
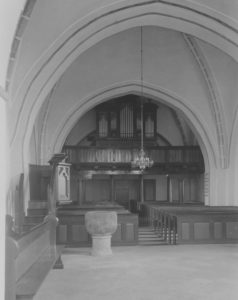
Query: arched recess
x,y
80,36
158,94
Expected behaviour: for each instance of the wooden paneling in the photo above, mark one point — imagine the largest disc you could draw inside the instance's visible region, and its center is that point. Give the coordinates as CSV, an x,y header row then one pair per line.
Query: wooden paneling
x,y
122,196
39,178
201,231
72,222
97,190
79,233
161,188
117,236
175,189
62,234
125,189
185,231
29,259
130,232
186,155
194,224
218,230
149,189
232,230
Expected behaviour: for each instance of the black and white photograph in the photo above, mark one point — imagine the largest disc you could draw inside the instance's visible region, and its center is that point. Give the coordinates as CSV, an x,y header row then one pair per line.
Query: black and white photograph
x,y
119,149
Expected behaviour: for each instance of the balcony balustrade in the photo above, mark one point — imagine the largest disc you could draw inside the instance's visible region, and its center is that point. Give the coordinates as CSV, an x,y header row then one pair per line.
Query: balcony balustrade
x,y
188,155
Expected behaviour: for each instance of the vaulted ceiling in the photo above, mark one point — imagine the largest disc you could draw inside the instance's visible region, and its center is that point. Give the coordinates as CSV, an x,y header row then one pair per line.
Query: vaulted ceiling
x,y
68,56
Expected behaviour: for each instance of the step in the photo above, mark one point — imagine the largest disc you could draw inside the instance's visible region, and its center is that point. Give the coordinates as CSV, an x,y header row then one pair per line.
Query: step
x,y
153,244
148,237
148,233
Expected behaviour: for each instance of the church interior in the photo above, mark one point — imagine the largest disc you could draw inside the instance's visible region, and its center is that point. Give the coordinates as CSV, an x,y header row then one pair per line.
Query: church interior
x,y
124,107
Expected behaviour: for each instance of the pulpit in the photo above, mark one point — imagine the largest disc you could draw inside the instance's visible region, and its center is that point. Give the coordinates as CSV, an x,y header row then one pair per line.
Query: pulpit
x,y
62,183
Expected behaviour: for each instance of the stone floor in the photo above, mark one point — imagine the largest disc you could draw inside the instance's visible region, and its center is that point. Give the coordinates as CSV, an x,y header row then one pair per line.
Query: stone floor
x,y
199,272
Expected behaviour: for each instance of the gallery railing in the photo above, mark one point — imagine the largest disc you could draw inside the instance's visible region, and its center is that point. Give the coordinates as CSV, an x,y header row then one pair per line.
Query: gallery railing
x,y
187,154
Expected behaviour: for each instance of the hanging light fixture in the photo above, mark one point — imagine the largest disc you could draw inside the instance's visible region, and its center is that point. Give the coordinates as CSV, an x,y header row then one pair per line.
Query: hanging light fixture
x,y
142,161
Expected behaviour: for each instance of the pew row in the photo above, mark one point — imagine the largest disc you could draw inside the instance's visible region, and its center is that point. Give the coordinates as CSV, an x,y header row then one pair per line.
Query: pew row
x,y
29,258
193,224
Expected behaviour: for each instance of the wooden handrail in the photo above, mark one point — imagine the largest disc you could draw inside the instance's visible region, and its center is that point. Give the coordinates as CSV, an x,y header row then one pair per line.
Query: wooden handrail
x,y
26,254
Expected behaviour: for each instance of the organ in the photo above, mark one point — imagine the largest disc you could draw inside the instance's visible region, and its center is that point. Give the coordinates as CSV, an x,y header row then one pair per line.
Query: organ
x,y
121,119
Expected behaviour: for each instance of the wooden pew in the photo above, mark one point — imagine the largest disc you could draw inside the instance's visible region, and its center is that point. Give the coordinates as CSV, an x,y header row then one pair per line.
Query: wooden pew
x,y
186,224
29,258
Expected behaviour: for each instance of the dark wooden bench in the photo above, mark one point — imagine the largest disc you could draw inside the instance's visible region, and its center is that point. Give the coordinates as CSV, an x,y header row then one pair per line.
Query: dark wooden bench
x,y
29,259
185,224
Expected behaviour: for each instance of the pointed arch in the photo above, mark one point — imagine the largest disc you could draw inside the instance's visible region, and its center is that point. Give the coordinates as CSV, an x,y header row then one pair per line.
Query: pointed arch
x,y
215,99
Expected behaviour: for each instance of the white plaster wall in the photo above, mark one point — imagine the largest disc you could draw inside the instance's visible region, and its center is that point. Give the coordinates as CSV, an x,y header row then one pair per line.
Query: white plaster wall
x,y
233,175
61,15
168,64
227,7
84,126
9,15
225,72
188,133
37,136
4,177
93,22
33,148
58,15
167,127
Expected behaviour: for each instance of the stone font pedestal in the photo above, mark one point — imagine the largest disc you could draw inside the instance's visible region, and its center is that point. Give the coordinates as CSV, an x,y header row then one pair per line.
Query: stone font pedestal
x,y
101,245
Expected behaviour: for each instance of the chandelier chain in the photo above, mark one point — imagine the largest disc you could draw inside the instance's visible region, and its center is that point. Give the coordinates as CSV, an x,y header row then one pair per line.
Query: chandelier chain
x,y
142,161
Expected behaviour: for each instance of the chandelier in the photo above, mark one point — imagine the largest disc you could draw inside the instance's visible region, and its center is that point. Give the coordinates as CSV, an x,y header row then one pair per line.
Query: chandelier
x,y
142,161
